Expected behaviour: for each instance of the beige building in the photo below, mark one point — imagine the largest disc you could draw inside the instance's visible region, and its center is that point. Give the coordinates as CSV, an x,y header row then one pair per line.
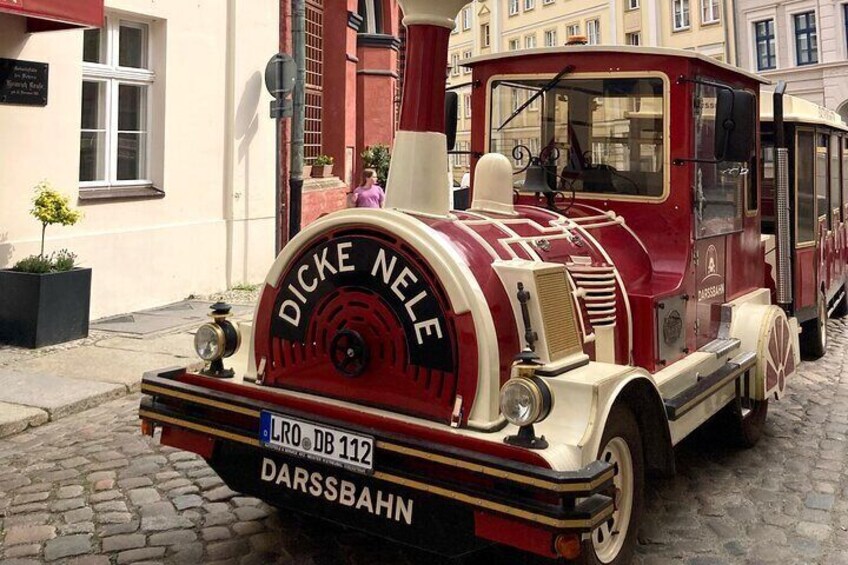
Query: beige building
x,y
804,43
496,26
157,127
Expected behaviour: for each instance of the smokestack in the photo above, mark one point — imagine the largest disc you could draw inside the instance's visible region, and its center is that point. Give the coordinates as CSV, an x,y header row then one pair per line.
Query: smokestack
x,y
418,176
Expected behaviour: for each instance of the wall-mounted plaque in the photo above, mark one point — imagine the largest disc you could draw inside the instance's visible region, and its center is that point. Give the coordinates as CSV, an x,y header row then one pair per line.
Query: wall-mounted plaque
x,y
23,82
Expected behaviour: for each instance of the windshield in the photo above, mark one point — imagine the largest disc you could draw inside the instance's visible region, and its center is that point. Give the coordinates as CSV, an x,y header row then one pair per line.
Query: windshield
x,y
599,136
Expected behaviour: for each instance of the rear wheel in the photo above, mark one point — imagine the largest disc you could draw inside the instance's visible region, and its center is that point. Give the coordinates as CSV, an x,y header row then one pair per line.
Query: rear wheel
x,y
814,332
614,542
744,420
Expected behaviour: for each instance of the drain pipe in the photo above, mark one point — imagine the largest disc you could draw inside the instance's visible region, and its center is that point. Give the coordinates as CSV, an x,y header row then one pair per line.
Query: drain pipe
x,y
782,206
298,116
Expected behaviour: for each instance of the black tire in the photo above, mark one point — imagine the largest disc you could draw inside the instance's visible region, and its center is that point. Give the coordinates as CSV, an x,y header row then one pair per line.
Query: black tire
x,y
622,424
742,421
814,333
840,310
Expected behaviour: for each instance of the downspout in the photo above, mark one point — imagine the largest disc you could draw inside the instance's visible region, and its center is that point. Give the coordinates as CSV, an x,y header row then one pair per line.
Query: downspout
x,y
782,206
298,116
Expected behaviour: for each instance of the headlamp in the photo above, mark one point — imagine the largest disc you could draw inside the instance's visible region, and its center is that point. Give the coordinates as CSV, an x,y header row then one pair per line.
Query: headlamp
x,y
525,401
216,340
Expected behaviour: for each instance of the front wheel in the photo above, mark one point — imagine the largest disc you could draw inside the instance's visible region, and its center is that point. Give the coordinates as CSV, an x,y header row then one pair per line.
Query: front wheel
x,y
744,421
814,332
614,542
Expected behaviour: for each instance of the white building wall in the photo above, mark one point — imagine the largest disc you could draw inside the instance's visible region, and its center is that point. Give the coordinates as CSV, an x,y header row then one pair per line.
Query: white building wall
x,y
212,152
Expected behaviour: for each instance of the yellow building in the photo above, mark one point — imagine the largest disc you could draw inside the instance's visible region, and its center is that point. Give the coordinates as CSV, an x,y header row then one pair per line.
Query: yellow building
x,y
496,26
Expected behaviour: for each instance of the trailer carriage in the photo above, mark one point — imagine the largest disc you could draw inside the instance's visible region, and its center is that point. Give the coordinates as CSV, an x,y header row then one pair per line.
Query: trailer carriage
x,y
510,373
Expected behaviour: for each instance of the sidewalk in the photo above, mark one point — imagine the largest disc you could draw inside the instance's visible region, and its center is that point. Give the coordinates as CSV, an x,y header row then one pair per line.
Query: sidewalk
x,y
43,385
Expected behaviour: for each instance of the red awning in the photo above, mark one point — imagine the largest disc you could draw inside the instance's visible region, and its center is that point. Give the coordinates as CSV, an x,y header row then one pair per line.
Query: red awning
x,y
46,15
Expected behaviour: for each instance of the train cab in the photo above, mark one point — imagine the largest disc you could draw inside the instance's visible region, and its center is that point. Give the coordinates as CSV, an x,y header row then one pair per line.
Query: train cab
x,y
817,139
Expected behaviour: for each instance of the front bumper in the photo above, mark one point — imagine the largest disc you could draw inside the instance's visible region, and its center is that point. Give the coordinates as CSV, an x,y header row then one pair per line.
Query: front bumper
x,y
435,496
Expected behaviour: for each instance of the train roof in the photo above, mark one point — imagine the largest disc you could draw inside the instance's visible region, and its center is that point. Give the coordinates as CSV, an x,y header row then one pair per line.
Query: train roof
x,y
799,110
623,49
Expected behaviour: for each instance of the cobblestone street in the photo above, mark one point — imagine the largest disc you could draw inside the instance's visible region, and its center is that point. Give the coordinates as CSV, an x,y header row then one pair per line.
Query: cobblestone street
x,y
90,489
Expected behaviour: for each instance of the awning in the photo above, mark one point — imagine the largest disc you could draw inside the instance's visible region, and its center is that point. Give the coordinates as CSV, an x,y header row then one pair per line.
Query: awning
x,y
47,15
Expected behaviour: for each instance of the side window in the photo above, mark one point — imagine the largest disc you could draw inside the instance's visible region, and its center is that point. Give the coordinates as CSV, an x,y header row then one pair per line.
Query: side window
x,y
718,186
835,185
805,205
767,165
822,208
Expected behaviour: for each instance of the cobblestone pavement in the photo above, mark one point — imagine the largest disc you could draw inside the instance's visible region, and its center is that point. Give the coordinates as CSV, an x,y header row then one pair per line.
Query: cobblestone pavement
x,y
91,490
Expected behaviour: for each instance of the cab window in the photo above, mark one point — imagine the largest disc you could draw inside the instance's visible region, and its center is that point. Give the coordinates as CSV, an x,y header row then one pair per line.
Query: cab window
x,y
822,207
718,186
805,205
602,137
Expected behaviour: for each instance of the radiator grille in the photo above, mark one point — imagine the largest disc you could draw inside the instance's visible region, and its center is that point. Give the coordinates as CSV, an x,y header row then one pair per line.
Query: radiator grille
x,y
557,309
599,284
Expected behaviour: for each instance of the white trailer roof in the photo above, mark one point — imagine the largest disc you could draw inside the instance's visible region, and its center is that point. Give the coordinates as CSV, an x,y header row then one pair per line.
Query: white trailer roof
x,y
799,110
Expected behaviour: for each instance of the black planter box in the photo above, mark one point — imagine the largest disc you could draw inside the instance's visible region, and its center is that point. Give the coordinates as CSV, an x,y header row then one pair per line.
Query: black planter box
x,y
38,310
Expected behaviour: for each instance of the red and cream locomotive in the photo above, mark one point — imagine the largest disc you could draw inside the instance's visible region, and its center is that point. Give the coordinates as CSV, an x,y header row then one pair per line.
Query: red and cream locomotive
x,y
509,373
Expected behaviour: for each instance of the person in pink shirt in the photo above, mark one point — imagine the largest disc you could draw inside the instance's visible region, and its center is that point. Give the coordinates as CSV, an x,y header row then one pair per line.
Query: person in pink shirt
x,y
370,194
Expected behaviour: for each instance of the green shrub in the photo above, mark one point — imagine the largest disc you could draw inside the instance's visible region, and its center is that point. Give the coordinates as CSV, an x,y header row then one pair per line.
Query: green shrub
x,y
35,264
51,208
378,157
64,260
322,160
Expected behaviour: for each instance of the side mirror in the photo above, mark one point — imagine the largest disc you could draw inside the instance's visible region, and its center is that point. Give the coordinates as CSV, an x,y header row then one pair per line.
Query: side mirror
x,y
734,125
451,117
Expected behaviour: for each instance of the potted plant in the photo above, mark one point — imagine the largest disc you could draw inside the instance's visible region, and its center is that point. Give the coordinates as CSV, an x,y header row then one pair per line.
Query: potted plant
x,y
322,167
44,299
307,171
378,157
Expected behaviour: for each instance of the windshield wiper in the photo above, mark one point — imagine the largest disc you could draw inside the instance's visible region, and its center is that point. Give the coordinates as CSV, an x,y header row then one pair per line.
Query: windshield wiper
x,y
547,86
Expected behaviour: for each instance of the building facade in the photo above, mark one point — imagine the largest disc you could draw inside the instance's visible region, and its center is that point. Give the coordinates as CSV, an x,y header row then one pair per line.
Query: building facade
x,y
156,125
804,43
496,26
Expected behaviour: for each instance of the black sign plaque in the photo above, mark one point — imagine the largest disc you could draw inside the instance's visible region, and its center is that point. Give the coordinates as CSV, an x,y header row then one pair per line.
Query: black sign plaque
x,y
23,82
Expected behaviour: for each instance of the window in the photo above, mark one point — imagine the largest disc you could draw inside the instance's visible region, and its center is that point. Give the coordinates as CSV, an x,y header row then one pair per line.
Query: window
x,y
547,2
550,38
372,16
465,56
608,133
766,54
466,18
681,14
634,38
513,7
529,4
806,40
593,31
115,117
514,44
821,178
454,66
710,12
530,41
485,35
835,185
806,196
572,30
466,105
632,4
718,186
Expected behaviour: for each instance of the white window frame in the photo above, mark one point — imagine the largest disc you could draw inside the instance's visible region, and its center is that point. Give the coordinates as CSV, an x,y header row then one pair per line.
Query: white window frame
x,y
628,38
710,12
454,66
529,5
632,4
486,35
466,18
571,30
513,7
465,56
513,44
550,38
593,31
677,7
466,106
547,2
530,41
112,75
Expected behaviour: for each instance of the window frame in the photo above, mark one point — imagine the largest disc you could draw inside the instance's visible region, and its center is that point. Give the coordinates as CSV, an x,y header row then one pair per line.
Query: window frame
x,y
632,5
486,35
800,243
629,36
466,18
809,33
530,39
465,56
529,5
514,7
111,74
714,9
576,27
454,64
770,43
595,25
687,13
552,33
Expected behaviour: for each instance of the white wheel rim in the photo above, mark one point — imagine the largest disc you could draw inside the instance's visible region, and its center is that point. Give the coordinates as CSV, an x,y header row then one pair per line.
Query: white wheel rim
x,y
609,537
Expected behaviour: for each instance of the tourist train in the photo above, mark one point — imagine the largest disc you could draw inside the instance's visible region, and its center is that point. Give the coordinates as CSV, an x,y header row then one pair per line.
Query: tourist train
x,y
640,254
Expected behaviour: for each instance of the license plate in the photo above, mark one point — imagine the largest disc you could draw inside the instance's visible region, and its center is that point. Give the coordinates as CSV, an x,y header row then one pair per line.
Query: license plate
x,y
317,442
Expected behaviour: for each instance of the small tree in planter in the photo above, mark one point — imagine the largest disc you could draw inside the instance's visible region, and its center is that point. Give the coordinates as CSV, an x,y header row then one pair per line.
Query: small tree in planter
x,y
378,157
45,299
322,167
